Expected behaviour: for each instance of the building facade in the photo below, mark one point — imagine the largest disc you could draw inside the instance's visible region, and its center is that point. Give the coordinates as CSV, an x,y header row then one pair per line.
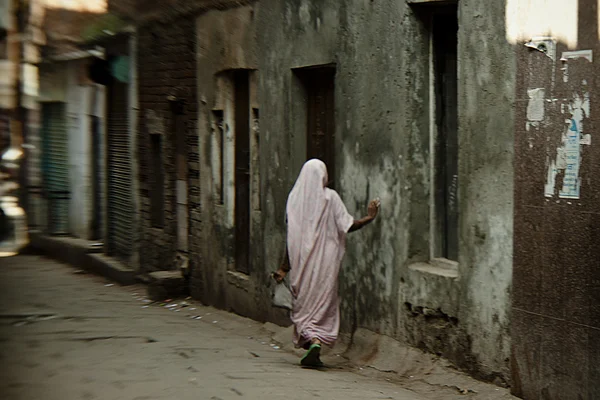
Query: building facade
x,y
411,102
453,113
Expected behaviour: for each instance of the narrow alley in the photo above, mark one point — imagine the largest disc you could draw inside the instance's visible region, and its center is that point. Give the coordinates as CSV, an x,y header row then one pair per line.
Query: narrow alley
x,y
68,335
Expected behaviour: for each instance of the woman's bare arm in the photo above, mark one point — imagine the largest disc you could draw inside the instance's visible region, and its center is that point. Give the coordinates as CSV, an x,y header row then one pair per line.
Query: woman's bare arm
x,y
360,223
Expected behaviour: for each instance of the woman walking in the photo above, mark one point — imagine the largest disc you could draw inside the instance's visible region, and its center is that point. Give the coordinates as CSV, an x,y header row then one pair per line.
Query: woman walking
x,y
317,224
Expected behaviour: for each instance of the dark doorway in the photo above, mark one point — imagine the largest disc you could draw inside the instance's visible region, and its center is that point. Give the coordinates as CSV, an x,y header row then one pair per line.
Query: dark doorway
x,y
242,171
445,38
319,85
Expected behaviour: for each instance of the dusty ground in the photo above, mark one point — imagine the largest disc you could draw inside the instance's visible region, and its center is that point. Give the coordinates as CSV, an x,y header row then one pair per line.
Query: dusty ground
x,y
67,335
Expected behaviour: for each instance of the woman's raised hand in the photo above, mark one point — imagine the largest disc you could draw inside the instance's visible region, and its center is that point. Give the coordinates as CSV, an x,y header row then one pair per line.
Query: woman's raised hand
x,y
373,209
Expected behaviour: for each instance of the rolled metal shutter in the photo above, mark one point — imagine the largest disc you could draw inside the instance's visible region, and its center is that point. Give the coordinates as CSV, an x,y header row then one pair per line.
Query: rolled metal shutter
x,y
55,166
120,197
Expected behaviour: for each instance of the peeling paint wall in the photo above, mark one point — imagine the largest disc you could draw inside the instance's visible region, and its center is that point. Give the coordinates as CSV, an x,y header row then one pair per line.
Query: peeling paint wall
x,y
555,316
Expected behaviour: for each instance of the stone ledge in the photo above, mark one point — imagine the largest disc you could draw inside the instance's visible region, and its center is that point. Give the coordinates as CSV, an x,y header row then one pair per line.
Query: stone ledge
x,y
238,280
439,267
434,285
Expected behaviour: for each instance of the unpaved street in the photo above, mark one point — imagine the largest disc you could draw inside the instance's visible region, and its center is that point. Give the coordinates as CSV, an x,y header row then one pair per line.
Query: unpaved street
x,y
69,336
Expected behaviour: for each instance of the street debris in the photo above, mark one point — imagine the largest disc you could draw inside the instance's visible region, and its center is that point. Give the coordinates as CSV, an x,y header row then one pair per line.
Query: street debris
x,y
461,390
109,284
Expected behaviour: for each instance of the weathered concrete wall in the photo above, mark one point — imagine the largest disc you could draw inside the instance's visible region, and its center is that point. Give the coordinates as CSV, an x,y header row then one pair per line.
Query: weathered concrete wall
x,y
227,42
79,130
556,291
383,149
486,116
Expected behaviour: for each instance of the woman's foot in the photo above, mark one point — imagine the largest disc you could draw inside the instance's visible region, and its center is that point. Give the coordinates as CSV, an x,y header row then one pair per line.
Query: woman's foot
x,y
312,358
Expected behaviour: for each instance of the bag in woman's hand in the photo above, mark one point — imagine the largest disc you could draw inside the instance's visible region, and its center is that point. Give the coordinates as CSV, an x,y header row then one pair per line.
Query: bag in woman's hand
x,y
282,295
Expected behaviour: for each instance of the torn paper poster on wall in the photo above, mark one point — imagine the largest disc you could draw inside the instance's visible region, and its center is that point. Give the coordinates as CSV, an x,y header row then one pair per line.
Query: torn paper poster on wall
x,y
568,156
572,155
535,107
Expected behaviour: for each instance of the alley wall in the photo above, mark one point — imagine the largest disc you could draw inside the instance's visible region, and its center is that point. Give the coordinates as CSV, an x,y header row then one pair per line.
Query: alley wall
x,y
390,281
222,71
383,149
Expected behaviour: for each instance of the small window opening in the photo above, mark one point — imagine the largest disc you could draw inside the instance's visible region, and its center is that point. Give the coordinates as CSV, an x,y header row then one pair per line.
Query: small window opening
x,y
218,130
445,137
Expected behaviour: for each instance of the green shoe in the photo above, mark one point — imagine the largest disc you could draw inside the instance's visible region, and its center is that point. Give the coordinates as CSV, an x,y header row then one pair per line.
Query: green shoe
x,y
312,357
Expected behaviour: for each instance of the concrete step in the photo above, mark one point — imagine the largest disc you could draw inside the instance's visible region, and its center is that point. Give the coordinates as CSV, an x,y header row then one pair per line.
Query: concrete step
x,y
84,255
163,285
110,268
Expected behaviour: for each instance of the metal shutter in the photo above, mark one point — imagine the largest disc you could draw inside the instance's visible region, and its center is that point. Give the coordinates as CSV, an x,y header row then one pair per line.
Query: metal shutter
x,y
120,198
55,166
